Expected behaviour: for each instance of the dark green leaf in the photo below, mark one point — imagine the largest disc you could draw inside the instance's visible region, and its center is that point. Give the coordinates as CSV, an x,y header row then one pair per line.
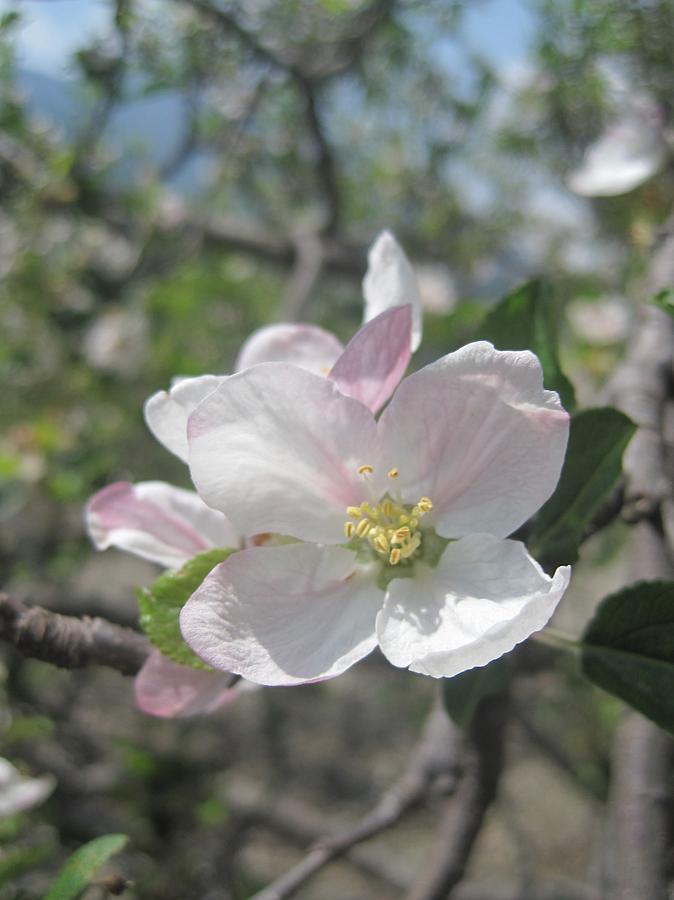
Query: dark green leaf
x,y
523,320
665,300
463,692
83,865
160,606
591,470
628,649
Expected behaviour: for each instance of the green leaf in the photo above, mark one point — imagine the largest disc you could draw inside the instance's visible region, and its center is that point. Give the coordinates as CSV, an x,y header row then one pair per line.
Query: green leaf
x,y
665,300
160,606
592,467
83,865
463,693
628,649
523,320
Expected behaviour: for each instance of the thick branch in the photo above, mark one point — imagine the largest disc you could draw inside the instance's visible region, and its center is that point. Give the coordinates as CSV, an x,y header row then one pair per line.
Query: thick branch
x,y
642,754
432,766
325,164
69,642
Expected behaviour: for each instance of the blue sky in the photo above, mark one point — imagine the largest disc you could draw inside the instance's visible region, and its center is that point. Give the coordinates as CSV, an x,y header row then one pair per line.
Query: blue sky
x,y
53,29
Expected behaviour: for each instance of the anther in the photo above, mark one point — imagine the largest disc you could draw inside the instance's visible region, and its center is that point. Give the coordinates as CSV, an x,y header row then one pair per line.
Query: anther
x,y
394,556
365,469
425,504
401,535
393,473
381,543
348,529
354,512
363,527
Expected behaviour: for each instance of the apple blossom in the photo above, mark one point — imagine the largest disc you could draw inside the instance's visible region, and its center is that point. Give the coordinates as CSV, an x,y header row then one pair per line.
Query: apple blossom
x,y
369,368
18,792
168,526
629,152
399,524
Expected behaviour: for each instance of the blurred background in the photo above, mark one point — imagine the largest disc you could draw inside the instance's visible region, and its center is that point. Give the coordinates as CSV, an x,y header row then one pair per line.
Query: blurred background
x,y
177,173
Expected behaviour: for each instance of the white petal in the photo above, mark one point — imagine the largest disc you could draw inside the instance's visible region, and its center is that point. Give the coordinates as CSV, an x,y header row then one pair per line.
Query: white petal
x,y
167,412
484,597
630,152
390,281
278,448
168,690
19,793
284,615
156,521
306,346
477,434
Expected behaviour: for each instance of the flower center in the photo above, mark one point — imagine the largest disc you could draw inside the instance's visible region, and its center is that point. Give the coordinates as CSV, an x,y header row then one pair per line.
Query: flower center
x,y
389,526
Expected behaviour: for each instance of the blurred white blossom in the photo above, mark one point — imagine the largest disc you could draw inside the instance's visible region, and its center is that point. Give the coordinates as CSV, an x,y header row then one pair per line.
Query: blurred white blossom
x,y
437,288
603,321
18,792
117,342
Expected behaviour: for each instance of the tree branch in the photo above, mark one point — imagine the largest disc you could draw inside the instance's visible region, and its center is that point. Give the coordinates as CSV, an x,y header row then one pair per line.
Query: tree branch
x,y
69,642
463,819
433,765
643,754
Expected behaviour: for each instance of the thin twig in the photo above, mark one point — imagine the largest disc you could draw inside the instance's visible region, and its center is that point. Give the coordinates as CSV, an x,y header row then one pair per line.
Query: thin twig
x,y
466,810
433,765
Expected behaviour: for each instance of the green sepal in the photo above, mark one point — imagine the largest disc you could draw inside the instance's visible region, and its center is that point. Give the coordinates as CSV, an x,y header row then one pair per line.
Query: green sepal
x,y
160,606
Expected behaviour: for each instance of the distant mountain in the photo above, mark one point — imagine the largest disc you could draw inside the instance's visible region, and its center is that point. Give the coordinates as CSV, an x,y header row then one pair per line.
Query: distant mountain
x,y
143,131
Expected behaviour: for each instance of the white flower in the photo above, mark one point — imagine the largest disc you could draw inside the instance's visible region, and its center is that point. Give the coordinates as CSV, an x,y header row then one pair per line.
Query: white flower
x,y
19,793
630,151
399,523
369,368
168,526
117,342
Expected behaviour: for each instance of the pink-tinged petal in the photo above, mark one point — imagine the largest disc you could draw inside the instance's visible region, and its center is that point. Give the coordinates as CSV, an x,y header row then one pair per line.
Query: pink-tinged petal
x,y
284,615
390,281
484,597
630,152
279,449
477,434
375,359
18,792
156,521
166,689
307,346
167,412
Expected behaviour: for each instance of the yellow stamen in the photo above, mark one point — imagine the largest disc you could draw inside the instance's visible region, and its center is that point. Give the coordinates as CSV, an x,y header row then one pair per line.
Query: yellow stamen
x,y
381,543
389,527
363,527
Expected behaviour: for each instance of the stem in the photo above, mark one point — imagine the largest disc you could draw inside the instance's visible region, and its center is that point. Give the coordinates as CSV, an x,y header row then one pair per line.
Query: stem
x,y
556,638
